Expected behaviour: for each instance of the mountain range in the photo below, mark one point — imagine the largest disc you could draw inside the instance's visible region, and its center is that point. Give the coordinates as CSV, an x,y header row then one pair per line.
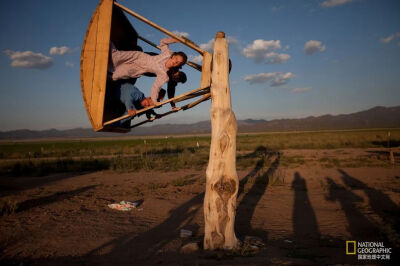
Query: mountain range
x,y
377,117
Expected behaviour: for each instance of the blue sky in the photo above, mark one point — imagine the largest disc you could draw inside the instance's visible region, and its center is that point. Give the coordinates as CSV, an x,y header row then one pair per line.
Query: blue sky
x,y
290,58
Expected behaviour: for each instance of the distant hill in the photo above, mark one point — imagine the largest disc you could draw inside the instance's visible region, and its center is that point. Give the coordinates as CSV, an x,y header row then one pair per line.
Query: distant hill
x,y
377,117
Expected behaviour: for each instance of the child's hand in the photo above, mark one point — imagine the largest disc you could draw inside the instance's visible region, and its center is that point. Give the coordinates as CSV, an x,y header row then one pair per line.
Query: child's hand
x,y
131,112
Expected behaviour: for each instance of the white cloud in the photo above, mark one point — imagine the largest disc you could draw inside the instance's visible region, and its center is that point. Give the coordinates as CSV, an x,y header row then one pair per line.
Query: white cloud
x,y
390,38
207,46
275,78
196,58
181,33
299,90
210,44
61,50
69,64
275,58
231,40
314,46
265,51
29,59
281,79
259,78
333,3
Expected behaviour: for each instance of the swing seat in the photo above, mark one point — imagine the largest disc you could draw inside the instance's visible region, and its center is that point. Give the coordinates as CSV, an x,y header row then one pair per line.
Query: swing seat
x,y
109,24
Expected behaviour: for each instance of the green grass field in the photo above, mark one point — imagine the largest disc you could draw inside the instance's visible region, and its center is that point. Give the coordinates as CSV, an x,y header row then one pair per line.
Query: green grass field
x,y
45,157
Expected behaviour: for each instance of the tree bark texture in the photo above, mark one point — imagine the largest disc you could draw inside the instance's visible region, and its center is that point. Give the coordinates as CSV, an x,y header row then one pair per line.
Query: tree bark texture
x,y
222,180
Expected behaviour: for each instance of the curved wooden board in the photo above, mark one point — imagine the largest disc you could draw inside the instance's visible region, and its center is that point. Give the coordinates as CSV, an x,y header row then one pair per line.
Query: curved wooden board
x,y
94,62
109,24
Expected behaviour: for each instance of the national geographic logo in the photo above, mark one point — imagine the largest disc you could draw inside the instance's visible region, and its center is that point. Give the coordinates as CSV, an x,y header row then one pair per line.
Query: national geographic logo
x,y
350,247
368,250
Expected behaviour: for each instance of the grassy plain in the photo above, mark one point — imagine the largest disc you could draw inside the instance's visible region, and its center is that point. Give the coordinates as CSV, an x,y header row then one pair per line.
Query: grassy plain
x,y
39,158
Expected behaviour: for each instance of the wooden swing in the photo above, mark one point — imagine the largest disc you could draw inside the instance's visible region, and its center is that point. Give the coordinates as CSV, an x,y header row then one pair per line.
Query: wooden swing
x,y
109,23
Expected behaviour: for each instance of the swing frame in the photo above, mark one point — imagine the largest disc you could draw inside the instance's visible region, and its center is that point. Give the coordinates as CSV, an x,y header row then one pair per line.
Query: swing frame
x,y
109,23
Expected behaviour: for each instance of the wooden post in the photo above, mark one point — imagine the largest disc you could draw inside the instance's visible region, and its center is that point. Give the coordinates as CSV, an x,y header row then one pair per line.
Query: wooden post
x,y
391,156
222,180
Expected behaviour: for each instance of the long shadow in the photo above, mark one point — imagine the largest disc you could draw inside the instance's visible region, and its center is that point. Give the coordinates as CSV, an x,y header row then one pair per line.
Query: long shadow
x,y
11,185
146,248
384,143
248,204
360,228
59,196
259,165
380,203
264,155
165,151
260,151
305,225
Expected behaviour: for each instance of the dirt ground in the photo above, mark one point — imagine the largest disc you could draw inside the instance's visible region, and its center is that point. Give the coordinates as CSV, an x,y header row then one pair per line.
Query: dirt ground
x,y
304,217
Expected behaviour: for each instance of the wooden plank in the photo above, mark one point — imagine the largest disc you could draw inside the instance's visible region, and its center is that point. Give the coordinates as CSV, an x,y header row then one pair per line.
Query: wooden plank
x,y
154,25
91,58
188,106
154,106
206,70
193,95
193,65
153,118
193,104
88,63
101,62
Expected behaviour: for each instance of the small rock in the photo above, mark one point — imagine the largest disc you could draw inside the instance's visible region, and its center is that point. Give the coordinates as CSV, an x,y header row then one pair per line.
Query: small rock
x,y
190,247
254,241
287,241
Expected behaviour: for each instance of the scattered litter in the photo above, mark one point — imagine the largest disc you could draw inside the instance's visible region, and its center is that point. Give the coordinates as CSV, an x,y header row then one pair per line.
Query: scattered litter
x,y
124,205
186,233
288,241
254,247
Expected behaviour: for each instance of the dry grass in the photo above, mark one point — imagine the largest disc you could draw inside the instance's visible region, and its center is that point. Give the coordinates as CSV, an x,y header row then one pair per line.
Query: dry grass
x,y
42,158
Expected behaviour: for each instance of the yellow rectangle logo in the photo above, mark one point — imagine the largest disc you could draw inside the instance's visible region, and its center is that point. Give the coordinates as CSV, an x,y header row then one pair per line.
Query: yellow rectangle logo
x,y
350,247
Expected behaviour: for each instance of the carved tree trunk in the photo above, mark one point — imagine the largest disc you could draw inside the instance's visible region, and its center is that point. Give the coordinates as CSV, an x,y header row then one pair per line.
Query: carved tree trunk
x,y
222,180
